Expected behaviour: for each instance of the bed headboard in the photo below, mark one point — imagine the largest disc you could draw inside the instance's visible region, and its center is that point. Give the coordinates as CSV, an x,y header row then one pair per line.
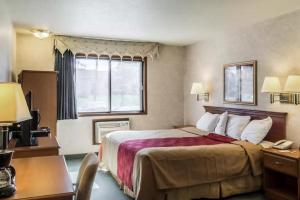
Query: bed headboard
x,y
278,129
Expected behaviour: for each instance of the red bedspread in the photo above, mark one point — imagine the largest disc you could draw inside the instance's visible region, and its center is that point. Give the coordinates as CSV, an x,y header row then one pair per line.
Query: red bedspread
x,y
127,150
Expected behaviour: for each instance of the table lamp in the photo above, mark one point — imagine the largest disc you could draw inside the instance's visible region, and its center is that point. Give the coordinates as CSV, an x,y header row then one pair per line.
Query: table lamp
x,y
13,108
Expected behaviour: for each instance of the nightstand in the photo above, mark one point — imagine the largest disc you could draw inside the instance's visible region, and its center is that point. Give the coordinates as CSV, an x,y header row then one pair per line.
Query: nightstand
x,y
281,174
182,126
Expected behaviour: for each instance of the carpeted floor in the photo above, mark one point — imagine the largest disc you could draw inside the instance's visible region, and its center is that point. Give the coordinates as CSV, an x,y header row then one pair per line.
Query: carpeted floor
x,y
105,187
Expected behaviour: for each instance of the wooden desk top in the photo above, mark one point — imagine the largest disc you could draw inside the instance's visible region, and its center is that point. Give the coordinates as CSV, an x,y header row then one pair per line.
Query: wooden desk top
x,y
42,178
47,146
43,143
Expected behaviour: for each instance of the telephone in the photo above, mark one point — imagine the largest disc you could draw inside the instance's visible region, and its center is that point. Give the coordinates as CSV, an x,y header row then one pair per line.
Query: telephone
x,y
283,144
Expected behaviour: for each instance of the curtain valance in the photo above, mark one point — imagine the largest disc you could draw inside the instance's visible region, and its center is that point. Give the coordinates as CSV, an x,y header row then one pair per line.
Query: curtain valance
x,y
105,47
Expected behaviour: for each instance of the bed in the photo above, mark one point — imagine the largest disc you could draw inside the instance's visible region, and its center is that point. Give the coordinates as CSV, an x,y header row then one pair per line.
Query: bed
x,y
193,165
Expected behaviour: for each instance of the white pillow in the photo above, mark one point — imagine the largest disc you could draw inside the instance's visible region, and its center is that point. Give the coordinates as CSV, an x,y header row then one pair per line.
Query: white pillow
x,y
208,122
236,125
257,130
221,126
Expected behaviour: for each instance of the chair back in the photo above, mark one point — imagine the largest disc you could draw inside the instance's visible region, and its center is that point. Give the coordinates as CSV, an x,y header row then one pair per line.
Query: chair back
x,y
83,165
86,177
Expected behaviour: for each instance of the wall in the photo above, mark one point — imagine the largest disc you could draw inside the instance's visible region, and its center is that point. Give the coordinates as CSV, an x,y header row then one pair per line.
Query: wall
x,y
7,38
34,54
275,44
165,92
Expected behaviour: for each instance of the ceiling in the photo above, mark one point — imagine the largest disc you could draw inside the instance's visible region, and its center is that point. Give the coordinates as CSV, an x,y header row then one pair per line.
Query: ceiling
x,y
178,22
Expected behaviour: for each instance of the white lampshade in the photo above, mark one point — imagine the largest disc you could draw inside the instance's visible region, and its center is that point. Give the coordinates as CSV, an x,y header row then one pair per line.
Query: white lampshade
x,y
292,84
13,107
271,85
197,88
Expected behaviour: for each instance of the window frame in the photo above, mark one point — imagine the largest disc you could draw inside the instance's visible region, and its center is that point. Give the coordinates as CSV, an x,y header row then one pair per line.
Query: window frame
x,y
144,85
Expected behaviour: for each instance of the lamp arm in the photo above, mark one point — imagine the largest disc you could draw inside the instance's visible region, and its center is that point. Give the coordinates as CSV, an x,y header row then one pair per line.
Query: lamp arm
x,y
272,98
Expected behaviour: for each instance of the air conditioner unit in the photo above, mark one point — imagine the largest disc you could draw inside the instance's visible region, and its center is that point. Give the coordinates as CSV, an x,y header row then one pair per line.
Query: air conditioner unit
x,y
105,127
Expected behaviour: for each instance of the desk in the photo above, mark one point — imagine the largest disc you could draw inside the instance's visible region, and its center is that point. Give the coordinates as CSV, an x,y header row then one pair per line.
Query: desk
x,y
47,146
42,178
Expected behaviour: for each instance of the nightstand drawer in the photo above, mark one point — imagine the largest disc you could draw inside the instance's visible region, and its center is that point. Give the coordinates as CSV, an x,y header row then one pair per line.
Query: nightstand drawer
x,y
281,164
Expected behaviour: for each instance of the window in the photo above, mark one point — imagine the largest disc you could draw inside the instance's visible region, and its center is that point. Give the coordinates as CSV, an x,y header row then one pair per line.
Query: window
x,y
115,86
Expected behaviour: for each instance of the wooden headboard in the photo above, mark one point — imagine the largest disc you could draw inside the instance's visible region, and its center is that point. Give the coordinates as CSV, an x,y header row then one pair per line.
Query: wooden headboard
x,y
278,129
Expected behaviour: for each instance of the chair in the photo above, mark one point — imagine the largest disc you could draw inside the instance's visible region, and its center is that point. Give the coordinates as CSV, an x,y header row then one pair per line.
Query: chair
x,y
86,177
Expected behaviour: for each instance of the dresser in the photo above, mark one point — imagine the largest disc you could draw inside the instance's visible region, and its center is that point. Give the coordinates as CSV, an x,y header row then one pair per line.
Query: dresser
x,y
43,86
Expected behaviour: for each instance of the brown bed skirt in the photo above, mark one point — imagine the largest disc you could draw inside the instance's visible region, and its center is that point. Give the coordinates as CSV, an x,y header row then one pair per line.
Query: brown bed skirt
x,y
223,189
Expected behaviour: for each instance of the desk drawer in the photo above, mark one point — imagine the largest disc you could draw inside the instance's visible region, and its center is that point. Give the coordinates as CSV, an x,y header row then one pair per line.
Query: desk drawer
x,y
281,164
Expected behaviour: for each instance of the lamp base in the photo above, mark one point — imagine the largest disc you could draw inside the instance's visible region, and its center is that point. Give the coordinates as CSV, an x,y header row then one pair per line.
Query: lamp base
x,y
285,98
5,136
204,96
7,191
7,173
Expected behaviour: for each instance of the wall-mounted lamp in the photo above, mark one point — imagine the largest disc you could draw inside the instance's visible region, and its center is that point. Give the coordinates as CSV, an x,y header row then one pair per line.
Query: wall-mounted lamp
x,y
198,89
292,86
291,90
272,85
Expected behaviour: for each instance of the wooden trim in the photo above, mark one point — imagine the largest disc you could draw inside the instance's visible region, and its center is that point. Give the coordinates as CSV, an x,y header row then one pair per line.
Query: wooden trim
x,y
109,86
89,114
241,63
104,120
145,97
250,62
37,71
278,129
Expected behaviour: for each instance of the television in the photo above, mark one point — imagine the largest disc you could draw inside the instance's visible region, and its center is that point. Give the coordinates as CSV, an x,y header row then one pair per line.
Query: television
x,y
24,136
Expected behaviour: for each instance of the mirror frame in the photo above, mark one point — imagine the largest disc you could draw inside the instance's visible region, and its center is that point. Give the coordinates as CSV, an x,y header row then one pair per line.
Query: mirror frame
x,y
252,63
